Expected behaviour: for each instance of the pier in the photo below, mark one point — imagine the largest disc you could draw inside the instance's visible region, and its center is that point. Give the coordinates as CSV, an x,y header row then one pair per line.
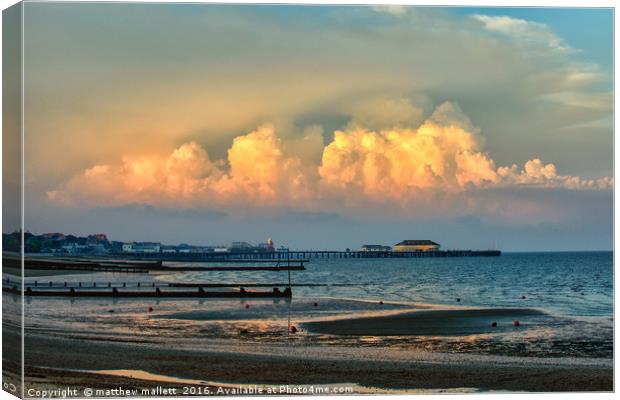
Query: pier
x,y
302,255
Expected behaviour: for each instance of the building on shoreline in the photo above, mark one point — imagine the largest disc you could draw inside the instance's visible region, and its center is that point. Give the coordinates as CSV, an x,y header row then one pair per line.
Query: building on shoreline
x,y
375,248
141,247
416,245
266,246
240,247
166,249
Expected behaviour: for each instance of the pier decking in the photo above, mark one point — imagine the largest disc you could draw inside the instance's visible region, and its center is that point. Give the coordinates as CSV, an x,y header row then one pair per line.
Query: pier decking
x,y
303,255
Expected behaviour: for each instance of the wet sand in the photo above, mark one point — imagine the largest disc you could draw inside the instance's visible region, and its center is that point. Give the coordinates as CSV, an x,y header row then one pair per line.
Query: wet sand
x,y
51,379
298,366
427,322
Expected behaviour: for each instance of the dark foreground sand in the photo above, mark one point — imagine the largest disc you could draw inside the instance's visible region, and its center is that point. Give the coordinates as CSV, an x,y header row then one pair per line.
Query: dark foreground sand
x,y
73,384
295,368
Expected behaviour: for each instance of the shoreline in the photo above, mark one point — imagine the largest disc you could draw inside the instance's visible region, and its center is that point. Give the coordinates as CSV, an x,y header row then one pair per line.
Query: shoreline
x,y
372,346
302,365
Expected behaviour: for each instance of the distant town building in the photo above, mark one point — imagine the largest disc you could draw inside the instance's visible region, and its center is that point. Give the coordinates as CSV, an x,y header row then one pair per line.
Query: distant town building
x,y
416,245
98,248
74,248
203,249
53,236
186,248
266,247
168,249
141,247
116,246
147,247
98,237
98,243
70,248
128,247
376,247
241,247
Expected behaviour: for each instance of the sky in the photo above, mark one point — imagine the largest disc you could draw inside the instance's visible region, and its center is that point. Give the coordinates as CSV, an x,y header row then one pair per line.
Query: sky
x,y
320,127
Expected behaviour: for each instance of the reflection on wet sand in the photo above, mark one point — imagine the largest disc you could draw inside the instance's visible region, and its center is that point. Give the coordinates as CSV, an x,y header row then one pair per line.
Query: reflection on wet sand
x,y
454,322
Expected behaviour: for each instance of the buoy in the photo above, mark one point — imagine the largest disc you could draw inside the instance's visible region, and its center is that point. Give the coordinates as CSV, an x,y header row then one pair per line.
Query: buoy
x,y
458,299
493,324
247,306
523,297
150,309
293,329
516,323
316,304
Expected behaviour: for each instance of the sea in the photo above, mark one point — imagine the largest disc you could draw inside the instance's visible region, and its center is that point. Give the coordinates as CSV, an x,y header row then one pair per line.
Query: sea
x,y
564,283
565,298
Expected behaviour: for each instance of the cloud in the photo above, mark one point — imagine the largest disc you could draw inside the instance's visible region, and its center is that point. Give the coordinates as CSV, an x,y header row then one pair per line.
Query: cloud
x,y
595,101
256,172
260,170
392,9
537,173
443,153
385,112
219,72
405,165
520,30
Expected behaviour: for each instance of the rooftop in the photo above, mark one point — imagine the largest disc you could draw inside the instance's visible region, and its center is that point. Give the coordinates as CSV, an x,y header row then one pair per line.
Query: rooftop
x,y
417,243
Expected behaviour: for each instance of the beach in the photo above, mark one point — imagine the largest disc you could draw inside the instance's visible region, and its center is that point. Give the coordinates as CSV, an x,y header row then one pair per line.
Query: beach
x,y
59,357
338,337
371,368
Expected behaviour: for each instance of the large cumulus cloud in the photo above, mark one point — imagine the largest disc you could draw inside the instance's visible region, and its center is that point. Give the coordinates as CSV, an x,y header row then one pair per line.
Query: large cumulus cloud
x,y
220,72
406,165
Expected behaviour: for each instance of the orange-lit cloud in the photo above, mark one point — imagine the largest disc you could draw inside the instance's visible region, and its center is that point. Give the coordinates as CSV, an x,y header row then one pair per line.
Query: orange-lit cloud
x,y
443,155
537,173
257,171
